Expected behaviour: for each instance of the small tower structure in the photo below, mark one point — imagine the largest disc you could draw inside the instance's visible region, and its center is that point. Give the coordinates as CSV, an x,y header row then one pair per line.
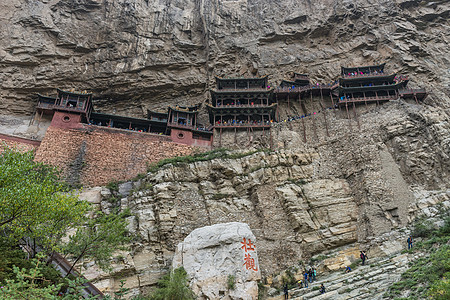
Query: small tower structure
x,y
68,108
297,80
369,84
241,103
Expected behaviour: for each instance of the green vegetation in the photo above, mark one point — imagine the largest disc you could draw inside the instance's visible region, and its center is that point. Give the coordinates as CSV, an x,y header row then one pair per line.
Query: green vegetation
x,y
113,185
289,279
318,258
231,282
36,211
315,288
298,182
173,286
33,203
99,238
204,156
428,276
262,291
219,196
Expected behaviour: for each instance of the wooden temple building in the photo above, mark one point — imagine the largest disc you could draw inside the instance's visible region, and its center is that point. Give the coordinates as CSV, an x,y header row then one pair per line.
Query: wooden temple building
x,y
368,84
241,104
66,108
296,80
73,109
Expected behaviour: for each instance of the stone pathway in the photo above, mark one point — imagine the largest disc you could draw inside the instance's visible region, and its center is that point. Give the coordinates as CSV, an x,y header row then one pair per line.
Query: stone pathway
x,y
365,282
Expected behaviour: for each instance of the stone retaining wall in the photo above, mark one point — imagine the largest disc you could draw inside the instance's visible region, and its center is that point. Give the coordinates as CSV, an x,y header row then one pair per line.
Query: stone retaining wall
x,y
94,155
18,143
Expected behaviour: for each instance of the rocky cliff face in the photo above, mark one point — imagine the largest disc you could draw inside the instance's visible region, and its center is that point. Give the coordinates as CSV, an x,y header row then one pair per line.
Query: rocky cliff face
x,y
146,54
356,188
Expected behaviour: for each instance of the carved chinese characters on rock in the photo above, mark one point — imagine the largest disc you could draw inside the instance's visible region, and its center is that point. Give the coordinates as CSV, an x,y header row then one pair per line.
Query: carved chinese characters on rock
x,y
249,250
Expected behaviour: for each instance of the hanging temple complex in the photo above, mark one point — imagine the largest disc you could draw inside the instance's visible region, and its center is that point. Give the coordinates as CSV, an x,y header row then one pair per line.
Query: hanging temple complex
x,y
93,148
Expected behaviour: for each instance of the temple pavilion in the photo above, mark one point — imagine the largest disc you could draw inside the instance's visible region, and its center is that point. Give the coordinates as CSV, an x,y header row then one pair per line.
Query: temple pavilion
x,y
241,103
368,84
296,80
78,104
69,109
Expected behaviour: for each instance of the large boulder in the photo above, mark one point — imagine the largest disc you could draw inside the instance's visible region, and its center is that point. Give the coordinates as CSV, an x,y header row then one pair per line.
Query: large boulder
x,y
214,255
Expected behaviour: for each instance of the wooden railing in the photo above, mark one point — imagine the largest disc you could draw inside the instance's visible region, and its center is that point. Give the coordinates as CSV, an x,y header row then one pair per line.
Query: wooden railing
x,y
241,105
304,88
242,90
365,75
64,266
367,99
47,105
243,125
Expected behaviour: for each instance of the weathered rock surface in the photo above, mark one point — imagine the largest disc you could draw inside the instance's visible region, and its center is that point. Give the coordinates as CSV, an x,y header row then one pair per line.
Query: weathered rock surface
x,y
141,54
211,254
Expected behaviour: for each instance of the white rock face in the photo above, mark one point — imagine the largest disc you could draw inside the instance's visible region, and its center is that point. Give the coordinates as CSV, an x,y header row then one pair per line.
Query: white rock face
x,y
210,254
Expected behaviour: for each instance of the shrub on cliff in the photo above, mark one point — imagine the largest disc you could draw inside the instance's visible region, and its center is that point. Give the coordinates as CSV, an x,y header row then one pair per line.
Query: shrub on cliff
x,y
34,204
173,286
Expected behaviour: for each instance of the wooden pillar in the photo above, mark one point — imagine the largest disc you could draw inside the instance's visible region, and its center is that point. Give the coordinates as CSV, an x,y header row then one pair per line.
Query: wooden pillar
x,y
220,135
376,96
348,115
356,116
324,111
40,118
304,129
332,102
416,98
365,101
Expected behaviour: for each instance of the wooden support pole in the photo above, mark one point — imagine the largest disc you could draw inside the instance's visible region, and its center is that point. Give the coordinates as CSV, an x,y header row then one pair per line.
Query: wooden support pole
x,y
313,118
416,98
348,116
324,112
304,129
332,102
220,136
356,116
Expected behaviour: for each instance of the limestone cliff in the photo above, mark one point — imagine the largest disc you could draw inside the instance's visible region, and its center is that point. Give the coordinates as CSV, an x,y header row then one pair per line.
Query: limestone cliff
x,y
145,54
351,188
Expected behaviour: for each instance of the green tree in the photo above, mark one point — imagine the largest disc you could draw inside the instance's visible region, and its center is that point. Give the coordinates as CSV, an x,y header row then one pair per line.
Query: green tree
x,y
34,204
99,238
173,286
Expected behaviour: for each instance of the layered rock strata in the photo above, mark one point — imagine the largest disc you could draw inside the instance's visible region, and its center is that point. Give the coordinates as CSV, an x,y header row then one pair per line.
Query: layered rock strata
x,y
146,54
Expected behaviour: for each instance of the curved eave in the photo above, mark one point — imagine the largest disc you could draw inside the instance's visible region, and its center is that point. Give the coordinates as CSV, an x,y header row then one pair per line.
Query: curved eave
x,y
350,69
183,111
241,78
157,113
46,97
74,94
365,78
239,109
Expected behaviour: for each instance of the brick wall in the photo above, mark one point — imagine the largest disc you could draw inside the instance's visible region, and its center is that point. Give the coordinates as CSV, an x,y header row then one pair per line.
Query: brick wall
x,y
94,155
18,143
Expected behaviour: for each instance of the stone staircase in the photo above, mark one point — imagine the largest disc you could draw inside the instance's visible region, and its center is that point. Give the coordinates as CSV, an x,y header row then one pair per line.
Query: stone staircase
x,y
365,282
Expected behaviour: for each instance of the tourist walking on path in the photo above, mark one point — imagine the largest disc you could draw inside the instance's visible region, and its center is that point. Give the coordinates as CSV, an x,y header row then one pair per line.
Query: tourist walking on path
x,y
410,242
314,274
322,289
286,291
347,269
310,275
363,257
305,276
